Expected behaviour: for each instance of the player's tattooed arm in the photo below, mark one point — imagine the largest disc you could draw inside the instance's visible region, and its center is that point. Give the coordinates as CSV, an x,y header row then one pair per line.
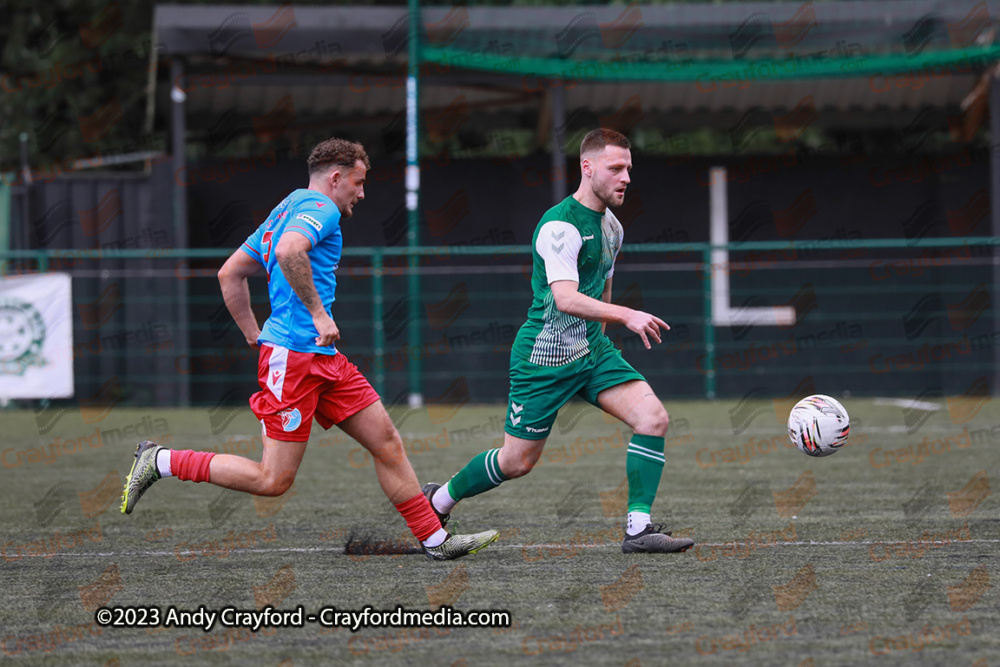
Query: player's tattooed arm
x,y
236,293
292,254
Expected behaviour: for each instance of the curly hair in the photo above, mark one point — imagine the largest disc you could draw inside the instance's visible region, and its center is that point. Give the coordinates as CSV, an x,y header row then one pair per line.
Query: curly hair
x,y
597,139
338,152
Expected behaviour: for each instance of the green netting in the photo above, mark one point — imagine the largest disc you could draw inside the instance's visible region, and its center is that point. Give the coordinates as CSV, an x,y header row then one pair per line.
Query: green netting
x,y
642,66
720,40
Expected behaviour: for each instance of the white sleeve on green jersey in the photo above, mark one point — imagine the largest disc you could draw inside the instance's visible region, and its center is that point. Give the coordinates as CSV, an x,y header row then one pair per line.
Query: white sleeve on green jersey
x,y
611,227
559,245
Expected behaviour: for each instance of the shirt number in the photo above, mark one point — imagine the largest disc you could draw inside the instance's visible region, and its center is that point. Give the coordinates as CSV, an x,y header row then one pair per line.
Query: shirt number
x,y
265,244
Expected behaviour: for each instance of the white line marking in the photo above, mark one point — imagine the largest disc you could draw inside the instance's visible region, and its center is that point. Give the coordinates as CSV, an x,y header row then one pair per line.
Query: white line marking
x,y
192,555
779,429
911,404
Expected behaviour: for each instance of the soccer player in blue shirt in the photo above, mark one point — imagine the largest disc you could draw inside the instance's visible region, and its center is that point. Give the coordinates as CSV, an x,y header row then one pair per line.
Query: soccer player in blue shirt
x,y
301,373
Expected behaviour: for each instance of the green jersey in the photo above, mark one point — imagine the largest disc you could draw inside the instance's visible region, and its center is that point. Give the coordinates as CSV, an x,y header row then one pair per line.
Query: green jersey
x,y
571,242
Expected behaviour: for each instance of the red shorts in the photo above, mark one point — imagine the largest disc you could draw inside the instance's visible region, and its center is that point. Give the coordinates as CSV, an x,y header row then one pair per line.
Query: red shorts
x,y
297,386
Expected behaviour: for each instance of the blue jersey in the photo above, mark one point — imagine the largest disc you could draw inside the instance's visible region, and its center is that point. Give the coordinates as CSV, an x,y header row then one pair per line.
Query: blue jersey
x,y
315,216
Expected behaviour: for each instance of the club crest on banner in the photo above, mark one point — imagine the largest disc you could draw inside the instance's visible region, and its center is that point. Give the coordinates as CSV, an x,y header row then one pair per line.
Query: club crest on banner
x,y
22,335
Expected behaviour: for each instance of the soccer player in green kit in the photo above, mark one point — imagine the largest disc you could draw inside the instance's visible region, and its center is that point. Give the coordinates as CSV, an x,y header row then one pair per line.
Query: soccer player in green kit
x,y
562,351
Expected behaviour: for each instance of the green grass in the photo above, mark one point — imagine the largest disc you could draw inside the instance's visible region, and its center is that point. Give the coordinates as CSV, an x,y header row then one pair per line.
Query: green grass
x,y
658,610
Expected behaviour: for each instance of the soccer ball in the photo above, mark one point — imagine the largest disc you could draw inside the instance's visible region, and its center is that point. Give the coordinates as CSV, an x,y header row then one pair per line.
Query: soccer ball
x,y
819,425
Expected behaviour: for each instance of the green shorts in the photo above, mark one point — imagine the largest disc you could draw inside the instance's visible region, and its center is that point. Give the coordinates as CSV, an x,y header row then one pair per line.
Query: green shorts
x,y
537,392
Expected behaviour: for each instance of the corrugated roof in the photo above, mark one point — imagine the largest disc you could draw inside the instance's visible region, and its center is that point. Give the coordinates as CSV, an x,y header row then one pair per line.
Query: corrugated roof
x,y
875,26
350,61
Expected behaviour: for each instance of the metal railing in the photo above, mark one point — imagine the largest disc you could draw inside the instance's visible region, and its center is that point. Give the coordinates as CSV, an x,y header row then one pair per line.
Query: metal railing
x,y
667,253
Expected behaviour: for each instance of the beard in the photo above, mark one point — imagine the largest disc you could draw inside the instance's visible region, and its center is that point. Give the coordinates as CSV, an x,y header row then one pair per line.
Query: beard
x,y
607,196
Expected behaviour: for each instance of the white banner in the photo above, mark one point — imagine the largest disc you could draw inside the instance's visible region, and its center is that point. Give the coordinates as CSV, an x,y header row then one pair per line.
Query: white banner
x,y
36,336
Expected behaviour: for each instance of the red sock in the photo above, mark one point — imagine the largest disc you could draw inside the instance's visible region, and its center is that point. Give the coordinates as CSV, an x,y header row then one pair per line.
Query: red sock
x,y
190,465
419,516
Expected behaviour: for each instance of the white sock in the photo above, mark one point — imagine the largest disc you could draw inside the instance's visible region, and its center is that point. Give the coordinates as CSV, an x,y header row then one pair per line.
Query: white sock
x,y
163,463
438,538
442,500
637,522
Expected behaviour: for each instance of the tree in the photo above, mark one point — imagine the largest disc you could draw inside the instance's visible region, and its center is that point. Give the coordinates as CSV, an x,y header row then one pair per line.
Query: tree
x,y
74,76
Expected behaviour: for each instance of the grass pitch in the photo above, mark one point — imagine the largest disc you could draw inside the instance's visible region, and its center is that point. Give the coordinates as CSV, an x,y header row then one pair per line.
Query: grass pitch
x,y
886,553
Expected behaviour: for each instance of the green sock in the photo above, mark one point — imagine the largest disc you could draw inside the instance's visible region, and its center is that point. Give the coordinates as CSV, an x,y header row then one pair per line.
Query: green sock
x,y
480,474
643,466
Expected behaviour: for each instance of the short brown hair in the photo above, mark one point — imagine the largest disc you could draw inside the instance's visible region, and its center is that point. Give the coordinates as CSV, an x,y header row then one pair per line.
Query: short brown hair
x,y
597,139
338,152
